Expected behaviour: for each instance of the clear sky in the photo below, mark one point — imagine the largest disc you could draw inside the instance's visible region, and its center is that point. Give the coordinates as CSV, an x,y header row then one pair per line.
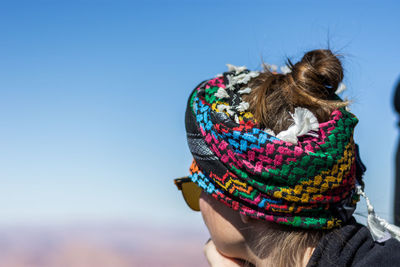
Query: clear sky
x,y
92,95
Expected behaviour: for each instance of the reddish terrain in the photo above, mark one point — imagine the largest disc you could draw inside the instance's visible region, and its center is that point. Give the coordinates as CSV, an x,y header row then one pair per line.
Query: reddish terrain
x,y
100,246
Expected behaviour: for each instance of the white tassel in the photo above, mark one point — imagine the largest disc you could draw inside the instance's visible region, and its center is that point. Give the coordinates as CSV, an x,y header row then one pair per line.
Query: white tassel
x,y
243,106
239,77
221,93
290,135
246,90
231,83
243,78
236,69
285,69
225,108
340,88
222,107
237,119
304,122
230,111
378,227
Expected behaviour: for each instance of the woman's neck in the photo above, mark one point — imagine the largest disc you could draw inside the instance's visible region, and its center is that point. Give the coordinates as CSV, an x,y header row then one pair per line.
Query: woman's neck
x,y
271,259
268,244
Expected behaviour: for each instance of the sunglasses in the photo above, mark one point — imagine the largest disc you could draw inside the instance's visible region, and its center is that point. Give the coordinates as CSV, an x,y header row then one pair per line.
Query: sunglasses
x,y
190,191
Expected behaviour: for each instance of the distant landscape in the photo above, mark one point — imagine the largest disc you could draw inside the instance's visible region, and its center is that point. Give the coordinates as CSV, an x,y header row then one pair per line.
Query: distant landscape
x,y
100,246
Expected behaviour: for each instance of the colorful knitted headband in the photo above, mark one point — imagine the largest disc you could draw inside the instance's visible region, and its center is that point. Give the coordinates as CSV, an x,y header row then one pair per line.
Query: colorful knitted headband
x,y
309,182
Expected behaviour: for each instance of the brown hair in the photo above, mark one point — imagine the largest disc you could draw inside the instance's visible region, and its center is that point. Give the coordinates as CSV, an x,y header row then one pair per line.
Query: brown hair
x,y
284,246
311,84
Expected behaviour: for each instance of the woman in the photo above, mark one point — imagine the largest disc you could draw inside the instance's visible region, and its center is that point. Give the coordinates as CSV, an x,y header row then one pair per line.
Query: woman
x,y
276,173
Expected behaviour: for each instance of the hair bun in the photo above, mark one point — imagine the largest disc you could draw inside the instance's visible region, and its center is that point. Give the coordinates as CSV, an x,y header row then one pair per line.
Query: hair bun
x,y
311,84
319,73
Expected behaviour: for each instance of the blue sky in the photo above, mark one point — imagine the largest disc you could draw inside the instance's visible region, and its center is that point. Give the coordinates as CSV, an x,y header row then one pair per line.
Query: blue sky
x,y
92,95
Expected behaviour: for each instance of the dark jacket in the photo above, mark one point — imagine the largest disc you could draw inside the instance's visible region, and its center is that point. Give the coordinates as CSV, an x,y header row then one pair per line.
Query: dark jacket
x,y
352,245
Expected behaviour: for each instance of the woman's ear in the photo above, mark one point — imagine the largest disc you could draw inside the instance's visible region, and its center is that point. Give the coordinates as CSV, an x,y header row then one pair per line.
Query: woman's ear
x,y
245,218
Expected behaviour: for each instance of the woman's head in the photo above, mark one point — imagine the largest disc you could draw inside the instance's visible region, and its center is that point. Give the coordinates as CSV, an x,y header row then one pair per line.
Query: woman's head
x,y
274,150
294,163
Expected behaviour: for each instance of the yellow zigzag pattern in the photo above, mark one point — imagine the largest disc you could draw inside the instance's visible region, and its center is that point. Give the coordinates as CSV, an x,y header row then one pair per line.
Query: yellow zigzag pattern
x,y
314,185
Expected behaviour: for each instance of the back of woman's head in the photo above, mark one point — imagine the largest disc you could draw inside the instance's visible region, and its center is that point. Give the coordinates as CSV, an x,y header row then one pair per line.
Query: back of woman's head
x,y
310,83
272,144
277,147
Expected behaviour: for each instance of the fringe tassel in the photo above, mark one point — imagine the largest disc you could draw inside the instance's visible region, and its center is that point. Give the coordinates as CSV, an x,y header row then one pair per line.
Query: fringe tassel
x,y
304,122
380,229
340,88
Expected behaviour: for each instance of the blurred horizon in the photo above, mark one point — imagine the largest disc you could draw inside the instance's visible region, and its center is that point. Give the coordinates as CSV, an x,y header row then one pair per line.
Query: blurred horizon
x,y
116,245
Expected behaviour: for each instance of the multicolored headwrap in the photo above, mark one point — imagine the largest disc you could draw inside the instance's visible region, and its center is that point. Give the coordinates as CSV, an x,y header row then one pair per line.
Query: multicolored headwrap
x,y
310,184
